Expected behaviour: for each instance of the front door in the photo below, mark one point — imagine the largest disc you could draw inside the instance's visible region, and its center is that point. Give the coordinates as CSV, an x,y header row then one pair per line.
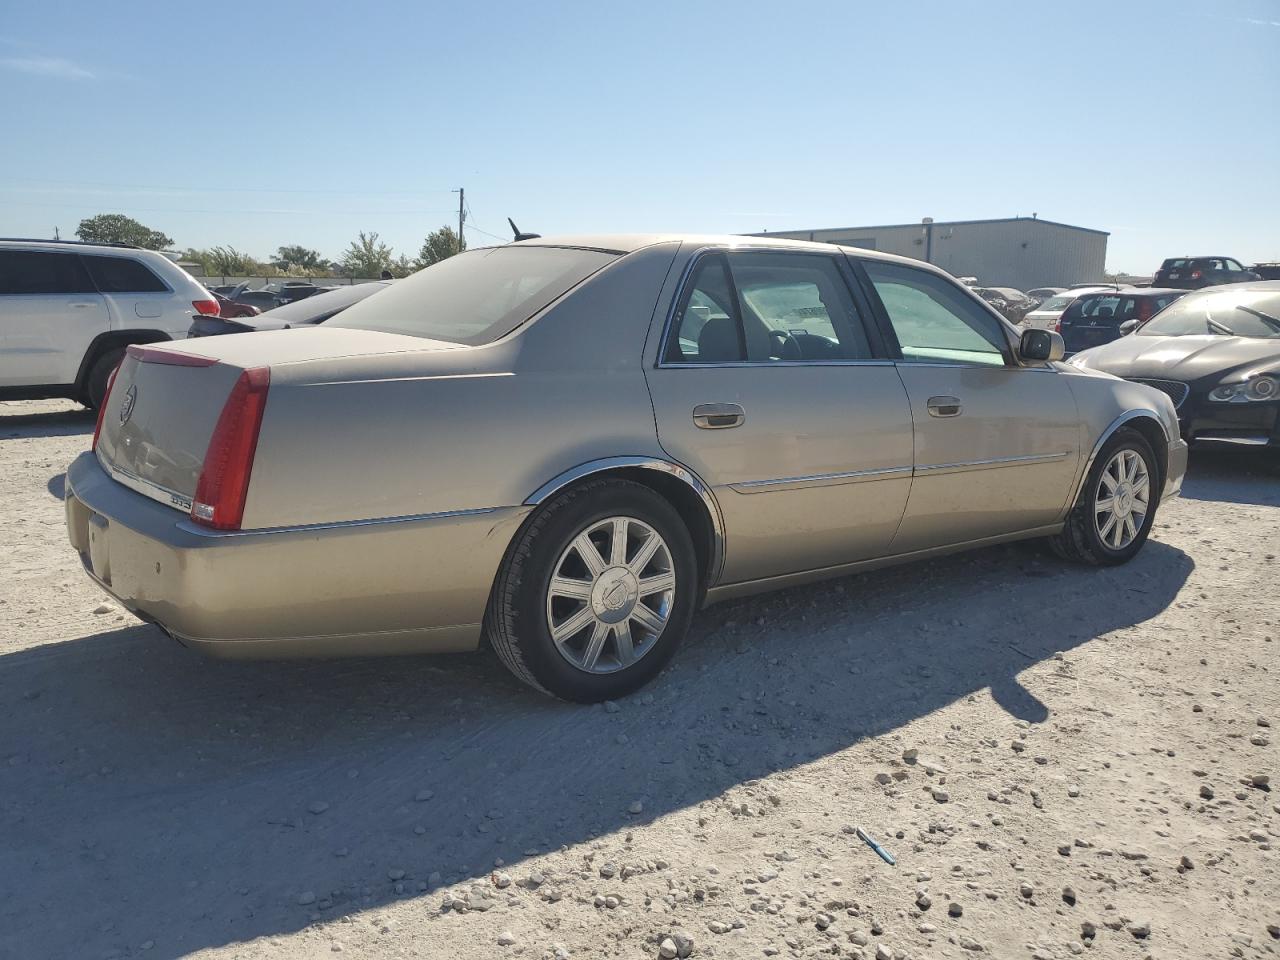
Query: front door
x,y
771,387
996,443
49,314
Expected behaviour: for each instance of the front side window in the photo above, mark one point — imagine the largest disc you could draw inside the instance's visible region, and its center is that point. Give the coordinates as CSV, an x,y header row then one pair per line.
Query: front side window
x,y
34,272
476,297
934,320
122,275
767,307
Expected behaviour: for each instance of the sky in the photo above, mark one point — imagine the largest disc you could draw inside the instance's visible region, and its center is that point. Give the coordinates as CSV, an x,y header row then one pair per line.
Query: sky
x,y
267,123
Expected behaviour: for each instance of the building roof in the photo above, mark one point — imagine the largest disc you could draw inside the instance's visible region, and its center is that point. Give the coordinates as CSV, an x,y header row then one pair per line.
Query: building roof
x,y
939,223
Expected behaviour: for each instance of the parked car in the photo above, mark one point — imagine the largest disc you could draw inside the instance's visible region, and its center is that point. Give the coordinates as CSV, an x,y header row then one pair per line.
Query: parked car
x,y
229,309
1047,314
569,446
300,313
1266,271
1216,353
69,309
1041,294
1193,273
293,290
1097,318
264,299
1010,303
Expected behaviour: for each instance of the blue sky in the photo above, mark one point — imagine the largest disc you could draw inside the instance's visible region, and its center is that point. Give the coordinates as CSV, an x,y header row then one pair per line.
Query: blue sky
x,y
260,124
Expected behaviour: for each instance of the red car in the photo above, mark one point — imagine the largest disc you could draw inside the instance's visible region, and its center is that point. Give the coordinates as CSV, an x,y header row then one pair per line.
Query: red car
x,y
231,309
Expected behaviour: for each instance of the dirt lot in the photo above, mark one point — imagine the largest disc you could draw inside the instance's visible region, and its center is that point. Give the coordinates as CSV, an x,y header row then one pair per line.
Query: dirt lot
x,y
1094,750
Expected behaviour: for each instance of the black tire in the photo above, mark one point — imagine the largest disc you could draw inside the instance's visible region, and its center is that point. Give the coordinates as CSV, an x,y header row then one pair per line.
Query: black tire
x,y
95,385
1080,540
516,622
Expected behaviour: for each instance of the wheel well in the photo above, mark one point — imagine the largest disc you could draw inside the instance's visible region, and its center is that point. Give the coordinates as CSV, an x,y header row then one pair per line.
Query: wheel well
x,y
113,340
1153,433
686,502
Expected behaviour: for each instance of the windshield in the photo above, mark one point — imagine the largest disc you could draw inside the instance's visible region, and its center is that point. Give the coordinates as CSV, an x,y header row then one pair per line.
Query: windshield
x,y
1224,312
1055,303
478,296
323,305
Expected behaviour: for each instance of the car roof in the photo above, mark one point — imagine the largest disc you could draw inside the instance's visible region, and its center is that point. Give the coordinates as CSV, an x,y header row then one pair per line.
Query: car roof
x,y
1133,292
1264,286
1203,256
624,243
76,246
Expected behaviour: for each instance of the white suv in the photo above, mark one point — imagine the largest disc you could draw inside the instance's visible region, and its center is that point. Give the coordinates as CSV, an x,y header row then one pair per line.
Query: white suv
x,y
68,310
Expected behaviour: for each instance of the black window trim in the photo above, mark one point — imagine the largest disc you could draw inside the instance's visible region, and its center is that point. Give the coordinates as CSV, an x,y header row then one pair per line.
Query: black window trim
x,y
684,290
881,316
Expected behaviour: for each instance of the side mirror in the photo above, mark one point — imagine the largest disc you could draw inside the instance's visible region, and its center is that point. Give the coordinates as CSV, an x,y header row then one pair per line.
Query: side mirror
x,y
1128,327
1040,345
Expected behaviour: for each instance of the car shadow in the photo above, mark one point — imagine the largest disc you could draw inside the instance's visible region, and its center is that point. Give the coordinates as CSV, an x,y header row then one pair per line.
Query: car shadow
x,y
193,803
34,419
1231,476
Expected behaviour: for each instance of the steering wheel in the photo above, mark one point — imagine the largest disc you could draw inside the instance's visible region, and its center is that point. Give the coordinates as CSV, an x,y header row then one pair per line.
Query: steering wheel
x,y
785,345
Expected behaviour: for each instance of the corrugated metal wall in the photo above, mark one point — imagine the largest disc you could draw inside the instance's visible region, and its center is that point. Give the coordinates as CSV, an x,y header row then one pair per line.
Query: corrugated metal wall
x,y
1022,253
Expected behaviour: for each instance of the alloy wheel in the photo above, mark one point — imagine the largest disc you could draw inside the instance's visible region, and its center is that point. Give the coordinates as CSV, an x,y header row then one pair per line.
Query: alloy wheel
x,y
1122,499
610,595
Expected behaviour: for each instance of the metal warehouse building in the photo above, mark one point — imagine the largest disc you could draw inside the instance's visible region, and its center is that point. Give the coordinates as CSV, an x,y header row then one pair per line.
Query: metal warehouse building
x,y
1021,252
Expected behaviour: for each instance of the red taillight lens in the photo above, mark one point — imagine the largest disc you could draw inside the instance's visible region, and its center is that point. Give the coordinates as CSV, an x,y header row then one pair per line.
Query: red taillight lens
x,y
1057,325
106,398
206,308
1196,274
224,480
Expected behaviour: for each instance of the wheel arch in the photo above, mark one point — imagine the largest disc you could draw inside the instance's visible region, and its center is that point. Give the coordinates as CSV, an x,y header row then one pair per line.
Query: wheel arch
x,y
677,484
111,340
1153,431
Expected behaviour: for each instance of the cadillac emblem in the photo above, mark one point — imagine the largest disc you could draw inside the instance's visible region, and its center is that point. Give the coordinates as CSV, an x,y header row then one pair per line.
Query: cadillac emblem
x,y
130,398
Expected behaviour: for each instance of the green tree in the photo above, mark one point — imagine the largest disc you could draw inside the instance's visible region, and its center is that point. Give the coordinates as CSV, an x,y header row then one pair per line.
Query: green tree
x,y
402,266
367,256
230,262
440,245
117,228
299,256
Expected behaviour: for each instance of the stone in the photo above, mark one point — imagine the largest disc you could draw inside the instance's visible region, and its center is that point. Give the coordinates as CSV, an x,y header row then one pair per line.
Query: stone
x,y
883,778
667,949
1140,930
317,807
608,869
506,939
684,943
955,910
1206,791
502,880
1069,896
104,608
611,707
1259,740
395,874
910,754
636,807
1026,890
424,795
924,901
940,795
719,926
883,952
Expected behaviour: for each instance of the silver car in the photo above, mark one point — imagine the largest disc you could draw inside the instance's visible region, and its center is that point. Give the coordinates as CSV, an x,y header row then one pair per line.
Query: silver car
x,y
567,446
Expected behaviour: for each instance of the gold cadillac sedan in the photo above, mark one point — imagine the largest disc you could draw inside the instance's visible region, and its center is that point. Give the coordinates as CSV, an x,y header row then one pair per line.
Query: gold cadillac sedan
x,y
564,447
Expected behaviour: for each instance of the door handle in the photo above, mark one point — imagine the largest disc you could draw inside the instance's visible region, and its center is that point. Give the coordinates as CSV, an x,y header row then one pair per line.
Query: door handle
x,y
718,416
82,306
945,407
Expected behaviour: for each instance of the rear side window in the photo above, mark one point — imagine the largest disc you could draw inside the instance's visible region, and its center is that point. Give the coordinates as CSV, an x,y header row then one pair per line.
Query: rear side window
x,y
32,272
121,275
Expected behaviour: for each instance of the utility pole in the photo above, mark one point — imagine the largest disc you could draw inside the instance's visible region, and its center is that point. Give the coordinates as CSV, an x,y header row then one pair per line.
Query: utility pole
x,y
56,235
462,214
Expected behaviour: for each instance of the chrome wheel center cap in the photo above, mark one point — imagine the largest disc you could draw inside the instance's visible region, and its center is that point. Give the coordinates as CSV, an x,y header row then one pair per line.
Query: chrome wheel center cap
x,y
1124,499
614,595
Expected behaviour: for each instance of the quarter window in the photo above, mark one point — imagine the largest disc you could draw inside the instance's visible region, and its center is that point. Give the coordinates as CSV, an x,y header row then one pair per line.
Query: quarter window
x,y
935,321
767,307
121,275
33,272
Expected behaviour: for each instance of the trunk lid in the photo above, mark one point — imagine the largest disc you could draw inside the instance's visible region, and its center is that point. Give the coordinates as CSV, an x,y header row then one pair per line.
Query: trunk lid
x,y
166,400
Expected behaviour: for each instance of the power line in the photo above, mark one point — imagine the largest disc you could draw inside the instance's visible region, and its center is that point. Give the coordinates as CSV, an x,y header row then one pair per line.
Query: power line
x,y
189,189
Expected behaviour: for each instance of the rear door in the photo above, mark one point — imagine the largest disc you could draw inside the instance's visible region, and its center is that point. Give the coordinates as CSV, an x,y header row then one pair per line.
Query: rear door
x,y
136,296
774,388
996,443
49,314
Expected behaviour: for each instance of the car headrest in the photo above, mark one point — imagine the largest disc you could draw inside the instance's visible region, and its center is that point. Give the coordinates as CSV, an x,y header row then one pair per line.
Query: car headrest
x,y
718,341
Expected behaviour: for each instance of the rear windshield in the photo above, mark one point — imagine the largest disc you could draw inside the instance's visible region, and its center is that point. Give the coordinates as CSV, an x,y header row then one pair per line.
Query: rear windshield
x,y
1056,303
1100,307
1225,312
476,297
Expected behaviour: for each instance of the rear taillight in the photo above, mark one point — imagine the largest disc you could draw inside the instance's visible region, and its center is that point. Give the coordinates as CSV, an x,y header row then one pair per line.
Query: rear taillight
x,y
224,480
1196,274
206,308
1057,325
102,408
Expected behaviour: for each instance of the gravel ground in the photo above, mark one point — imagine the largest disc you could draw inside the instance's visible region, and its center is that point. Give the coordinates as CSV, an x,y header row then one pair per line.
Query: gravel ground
x,y
1064,761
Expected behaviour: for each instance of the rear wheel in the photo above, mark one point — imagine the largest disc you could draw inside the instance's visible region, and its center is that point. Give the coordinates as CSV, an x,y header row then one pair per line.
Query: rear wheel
x,y
596,593
1117,505
95,386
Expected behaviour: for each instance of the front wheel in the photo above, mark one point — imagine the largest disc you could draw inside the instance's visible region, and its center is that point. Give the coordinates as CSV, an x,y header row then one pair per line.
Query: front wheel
x,y
596,593
1117,505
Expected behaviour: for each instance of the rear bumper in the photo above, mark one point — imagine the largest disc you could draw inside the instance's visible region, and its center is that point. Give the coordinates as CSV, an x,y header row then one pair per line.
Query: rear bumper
x,y
402,585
